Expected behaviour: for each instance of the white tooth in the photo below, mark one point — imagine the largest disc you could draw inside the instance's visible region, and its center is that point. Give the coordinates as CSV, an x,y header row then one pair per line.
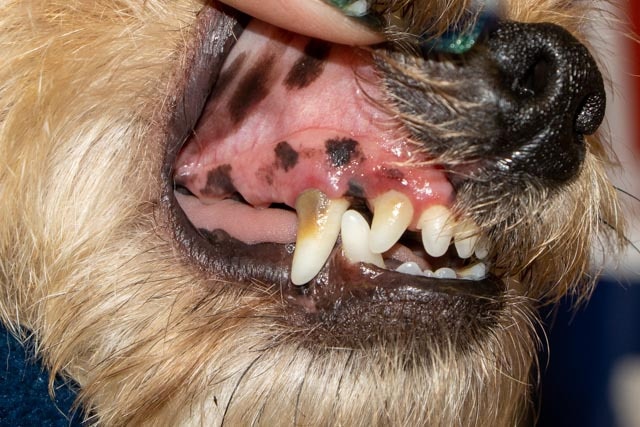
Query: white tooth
x,y
318,228
482,249
445,273
474,272
428,273
392,214
437,226
466,238
410,268
355,239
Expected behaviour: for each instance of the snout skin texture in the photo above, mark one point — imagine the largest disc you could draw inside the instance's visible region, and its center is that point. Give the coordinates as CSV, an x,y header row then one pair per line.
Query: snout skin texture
x,y
530,93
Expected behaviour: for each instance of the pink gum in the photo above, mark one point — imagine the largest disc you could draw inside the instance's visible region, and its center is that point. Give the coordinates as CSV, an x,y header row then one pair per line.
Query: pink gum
x,y
339,105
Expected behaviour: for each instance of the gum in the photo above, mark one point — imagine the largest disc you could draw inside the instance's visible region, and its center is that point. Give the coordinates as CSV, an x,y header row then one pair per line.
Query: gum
x,y
328,131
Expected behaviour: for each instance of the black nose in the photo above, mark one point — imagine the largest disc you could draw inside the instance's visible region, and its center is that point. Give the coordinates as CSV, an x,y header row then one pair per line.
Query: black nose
x,y
550,94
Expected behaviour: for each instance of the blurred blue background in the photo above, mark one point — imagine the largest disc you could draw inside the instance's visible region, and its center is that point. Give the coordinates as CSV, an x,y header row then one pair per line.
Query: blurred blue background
x,y
586,348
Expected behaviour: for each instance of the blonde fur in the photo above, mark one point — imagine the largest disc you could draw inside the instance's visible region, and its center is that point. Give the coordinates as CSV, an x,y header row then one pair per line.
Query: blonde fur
x,y
89,272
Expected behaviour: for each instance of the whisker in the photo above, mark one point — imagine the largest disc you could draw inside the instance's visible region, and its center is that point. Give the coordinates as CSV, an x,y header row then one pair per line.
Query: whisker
x,y
626,193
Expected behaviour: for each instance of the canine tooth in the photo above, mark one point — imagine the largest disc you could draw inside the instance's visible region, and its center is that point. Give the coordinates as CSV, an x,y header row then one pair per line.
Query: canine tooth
x,y
445,273
476,271
436,224
392,214
410,268
318,228
355,239
466,238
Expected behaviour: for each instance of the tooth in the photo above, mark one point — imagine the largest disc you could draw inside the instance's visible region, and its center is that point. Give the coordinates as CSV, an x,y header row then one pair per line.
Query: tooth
x,y
392,214
428,273
474,272
355,239
437,226
410,268
318,228
482,249
466,238
445,273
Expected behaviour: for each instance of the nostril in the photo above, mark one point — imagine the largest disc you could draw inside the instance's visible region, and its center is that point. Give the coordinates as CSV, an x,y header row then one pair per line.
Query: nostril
x,y
534,81
550,93
590,113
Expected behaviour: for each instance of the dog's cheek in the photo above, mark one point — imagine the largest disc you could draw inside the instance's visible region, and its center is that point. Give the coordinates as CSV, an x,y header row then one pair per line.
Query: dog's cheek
x,y
81,88
78,95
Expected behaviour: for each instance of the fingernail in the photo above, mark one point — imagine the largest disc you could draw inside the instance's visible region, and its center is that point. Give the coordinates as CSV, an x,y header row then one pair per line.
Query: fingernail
x,y
360,10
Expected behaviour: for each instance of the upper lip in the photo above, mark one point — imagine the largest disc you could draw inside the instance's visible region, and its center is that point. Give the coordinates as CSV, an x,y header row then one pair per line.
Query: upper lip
x,y
338,281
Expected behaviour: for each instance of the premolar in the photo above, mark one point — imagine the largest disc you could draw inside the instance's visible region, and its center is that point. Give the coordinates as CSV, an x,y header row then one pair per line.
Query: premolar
x,y
482,248
474,272
466,238
437,227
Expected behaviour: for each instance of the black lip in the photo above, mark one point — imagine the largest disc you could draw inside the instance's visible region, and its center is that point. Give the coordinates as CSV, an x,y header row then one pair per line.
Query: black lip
x,y
341,294
214,35
368,304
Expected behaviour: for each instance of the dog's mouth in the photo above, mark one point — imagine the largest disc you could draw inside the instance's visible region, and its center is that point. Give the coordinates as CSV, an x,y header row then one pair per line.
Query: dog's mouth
x,y
296,177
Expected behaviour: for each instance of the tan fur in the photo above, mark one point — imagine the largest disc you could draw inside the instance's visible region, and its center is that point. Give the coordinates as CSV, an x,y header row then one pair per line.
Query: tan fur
x,y
89,271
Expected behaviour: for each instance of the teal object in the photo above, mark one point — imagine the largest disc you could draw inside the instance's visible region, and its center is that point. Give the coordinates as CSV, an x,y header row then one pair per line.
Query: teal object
x,y
461,37
360,10
355,8
458,39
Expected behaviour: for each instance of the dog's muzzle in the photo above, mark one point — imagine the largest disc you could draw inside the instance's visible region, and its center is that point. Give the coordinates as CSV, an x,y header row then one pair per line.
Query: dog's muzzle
x,y
532,92
290,171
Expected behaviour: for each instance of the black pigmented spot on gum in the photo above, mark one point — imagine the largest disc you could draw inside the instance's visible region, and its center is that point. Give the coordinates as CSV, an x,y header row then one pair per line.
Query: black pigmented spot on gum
x,y
355,189
393,173
341,151
266,174
252,88
219,182
226,77
309,66
286,156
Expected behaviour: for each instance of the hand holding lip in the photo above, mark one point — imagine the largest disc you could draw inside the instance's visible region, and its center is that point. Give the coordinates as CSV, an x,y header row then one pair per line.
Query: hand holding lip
x,y
361,22
313,18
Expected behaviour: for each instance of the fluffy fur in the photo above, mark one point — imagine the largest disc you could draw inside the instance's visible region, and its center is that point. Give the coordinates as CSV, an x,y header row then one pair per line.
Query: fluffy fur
x,y
90,272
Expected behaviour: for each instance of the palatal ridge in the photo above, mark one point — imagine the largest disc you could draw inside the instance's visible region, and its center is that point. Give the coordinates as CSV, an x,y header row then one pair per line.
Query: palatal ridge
x,y
322,220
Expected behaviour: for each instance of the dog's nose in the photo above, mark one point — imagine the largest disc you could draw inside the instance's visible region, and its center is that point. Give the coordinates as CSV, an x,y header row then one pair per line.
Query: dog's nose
x,y
551,94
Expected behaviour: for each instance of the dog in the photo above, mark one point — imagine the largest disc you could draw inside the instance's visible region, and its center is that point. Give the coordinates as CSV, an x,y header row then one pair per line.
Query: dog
x,y
192,245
